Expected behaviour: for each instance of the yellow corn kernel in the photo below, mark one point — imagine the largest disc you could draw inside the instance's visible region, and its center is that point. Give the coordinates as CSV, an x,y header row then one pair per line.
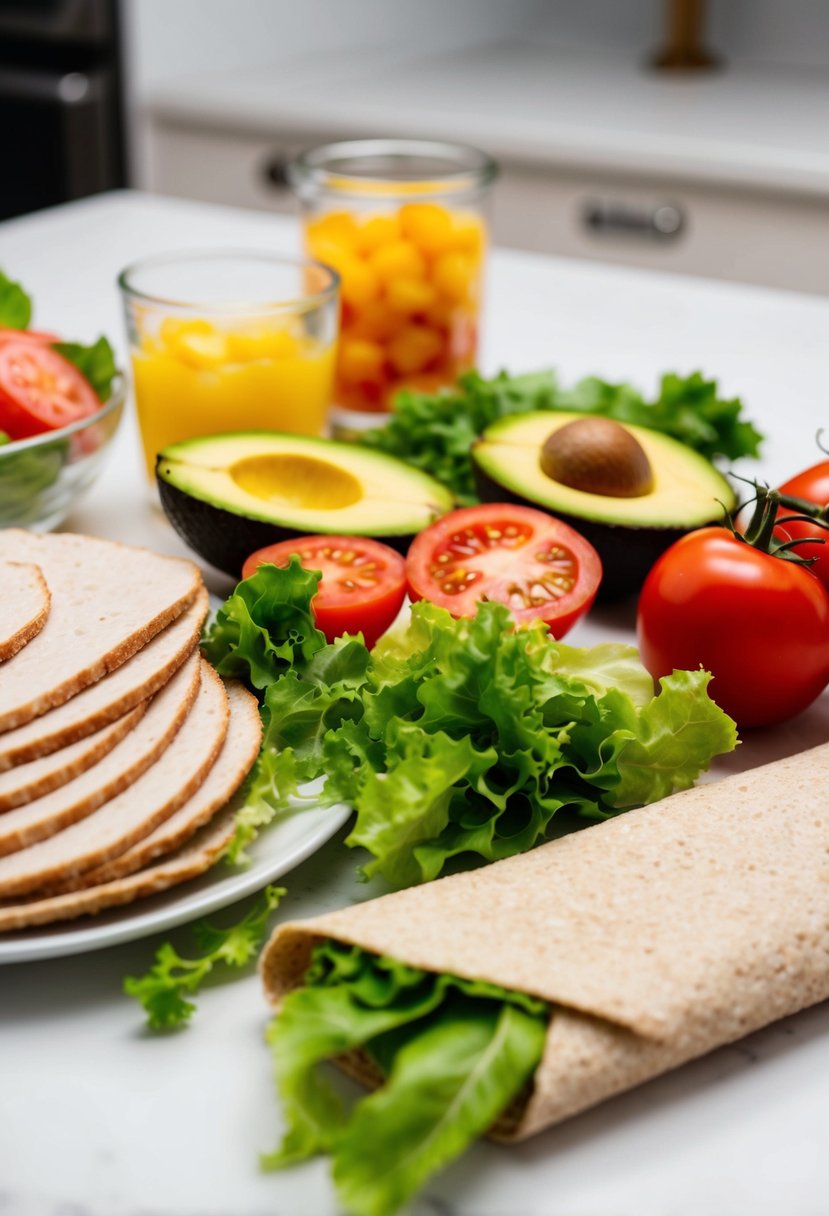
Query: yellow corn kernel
x,y
398,260
337,226
441,313
469,235
360,360
454,274
413,348
359,284
376,231
410,295
374,321
427,225
332,253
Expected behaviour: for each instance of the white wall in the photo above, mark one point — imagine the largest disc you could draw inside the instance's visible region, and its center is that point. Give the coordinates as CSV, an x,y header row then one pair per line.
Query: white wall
x,y
168,39
172,38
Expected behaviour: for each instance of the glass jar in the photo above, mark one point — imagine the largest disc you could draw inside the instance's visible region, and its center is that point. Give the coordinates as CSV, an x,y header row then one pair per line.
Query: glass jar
x,y
229,341
403,223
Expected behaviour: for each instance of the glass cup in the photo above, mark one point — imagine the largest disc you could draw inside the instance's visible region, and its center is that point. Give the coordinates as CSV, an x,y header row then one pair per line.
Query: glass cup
x,y
403,222
229,341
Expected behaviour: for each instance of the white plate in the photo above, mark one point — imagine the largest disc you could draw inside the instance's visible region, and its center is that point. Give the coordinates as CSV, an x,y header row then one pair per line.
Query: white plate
x,y
279,848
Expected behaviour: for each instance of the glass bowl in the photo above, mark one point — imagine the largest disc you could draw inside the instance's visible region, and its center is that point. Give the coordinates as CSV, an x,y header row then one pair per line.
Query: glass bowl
x,y
40,478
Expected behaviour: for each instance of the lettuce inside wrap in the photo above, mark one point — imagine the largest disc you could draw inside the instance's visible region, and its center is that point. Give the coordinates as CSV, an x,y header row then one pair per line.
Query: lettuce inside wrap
x,y
453,1053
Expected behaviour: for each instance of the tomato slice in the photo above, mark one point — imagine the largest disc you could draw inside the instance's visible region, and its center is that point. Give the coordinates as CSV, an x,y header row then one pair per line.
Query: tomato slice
x,y
40,390
39,336
363,582
540,568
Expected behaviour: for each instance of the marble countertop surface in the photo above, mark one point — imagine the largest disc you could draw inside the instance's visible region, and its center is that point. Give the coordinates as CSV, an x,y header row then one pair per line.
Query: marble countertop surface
x,y
748,126
98,1118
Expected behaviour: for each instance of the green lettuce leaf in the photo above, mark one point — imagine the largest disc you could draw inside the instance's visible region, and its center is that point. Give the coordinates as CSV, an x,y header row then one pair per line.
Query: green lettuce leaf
x,y
454,1053
265,634
435,431
96,362
265,626
15,305
475,735
676,730
453,739
298,711
163,990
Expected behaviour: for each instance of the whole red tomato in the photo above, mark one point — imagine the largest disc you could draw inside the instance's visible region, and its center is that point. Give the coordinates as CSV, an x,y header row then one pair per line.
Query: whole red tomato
x,y
759,623
810,486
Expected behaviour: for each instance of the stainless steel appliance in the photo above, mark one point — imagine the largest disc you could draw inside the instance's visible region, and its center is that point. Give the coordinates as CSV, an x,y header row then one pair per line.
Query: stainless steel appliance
x,y
60,102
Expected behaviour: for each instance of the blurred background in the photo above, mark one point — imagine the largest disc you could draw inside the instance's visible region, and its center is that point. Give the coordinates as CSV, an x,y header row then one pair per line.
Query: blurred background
x,y
661,133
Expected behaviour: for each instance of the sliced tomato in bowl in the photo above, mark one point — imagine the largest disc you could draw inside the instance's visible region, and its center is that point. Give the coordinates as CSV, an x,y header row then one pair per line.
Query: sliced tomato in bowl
x,y
40,390
541,568
363,582
38,336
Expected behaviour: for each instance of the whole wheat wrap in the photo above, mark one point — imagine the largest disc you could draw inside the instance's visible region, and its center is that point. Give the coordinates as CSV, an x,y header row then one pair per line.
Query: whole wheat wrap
x,y
656,937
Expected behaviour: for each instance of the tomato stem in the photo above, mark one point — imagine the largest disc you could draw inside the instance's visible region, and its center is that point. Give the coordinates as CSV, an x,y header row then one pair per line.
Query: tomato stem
x,y
810,510
766,519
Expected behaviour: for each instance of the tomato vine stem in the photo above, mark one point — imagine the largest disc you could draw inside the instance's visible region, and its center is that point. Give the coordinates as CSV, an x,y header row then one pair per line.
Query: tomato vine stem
x,y
766,519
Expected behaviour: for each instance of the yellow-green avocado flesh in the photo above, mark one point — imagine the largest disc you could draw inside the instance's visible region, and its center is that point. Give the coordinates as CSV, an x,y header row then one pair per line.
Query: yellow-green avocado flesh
x,y
629,533
228,495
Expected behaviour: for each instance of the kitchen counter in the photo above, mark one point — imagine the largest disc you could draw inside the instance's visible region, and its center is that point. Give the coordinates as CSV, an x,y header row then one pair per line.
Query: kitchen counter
x,y
99,1118
540,105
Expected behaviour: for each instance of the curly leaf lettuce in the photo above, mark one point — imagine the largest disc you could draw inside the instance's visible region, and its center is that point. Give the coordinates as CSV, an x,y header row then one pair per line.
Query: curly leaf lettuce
x,y
435,431
265,627
453,738
265,634
454,1053
164,989
474,735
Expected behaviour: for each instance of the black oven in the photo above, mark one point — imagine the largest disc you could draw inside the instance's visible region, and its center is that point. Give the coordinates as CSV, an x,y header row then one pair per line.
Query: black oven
x,y
61,104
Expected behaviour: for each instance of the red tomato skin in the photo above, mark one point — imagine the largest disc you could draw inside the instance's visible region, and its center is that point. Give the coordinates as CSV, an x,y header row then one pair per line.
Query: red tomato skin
x,y
369,612
559,617
39,336
758,623
813,485
40,391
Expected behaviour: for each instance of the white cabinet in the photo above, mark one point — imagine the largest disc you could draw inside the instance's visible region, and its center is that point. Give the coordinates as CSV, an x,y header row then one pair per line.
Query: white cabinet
x,y
238,170
746,234
725,175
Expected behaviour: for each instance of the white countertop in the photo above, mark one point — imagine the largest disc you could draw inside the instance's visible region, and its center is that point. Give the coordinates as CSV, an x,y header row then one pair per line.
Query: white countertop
x,y
752,126
97,1118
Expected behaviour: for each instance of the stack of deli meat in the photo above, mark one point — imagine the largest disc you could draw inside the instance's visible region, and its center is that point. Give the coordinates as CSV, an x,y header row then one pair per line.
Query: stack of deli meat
x,y
120,748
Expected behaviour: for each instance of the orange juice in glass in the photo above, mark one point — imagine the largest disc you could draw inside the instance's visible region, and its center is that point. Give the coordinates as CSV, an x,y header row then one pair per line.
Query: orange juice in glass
x,y
229,342
403,223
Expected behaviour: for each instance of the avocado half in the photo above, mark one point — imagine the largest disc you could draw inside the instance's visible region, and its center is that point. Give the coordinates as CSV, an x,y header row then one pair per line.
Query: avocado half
x,y
228,495
629,533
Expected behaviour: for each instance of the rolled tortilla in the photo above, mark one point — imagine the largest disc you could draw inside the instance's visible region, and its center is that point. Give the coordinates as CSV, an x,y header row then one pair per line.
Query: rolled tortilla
x,y
656,936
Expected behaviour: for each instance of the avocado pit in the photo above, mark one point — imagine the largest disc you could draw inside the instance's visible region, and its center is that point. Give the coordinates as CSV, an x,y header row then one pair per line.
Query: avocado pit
x,y
597,456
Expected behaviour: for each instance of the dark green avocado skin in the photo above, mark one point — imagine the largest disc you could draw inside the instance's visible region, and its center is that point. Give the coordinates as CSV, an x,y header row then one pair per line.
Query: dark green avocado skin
x,y
225,539
627,553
